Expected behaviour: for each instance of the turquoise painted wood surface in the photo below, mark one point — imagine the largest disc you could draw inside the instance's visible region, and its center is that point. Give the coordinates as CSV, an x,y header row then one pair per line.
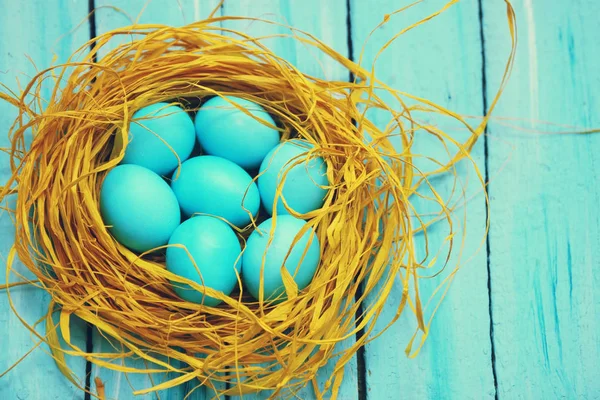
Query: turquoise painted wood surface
x,y
545,203
521,319
440,61
37,30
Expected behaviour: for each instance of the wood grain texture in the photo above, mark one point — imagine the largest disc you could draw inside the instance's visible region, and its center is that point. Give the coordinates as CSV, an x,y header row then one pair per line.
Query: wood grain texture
x,y
440,61
39,30
113,14
327,21
545,197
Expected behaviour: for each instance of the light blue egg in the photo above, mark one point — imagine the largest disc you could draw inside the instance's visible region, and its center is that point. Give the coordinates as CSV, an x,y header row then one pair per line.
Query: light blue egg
x,y
303,189
216,186
214,247
302,269
139,207
226,131
151,127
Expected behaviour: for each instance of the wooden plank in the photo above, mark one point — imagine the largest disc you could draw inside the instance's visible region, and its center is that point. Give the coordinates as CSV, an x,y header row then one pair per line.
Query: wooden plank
x,y
116,14
327,21
112,14
545,192
440,61
39,29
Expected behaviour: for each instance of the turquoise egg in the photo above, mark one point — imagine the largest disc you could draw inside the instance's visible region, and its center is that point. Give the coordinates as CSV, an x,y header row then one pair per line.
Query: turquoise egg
x,y
216,186
303,189
153,130
139,207
274,254
226,131
215,249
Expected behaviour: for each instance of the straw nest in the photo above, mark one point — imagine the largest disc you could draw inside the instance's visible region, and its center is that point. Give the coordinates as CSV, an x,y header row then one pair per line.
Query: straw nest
x,y
63,146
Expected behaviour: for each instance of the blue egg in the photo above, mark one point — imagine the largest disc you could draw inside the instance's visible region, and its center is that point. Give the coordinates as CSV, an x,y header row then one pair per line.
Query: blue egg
x,y
153,130
303,188
274,254
226,131
139,207
216,186
215,249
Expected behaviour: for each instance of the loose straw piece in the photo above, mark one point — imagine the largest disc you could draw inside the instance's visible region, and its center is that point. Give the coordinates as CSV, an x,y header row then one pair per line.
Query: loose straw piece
x,y
80,133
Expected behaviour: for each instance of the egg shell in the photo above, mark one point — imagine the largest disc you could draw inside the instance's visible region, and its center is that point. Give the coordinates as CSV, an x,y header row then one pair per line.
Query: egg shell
x,y
257,247
215,248
224,130
151,127
216,186
303,188
139,207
